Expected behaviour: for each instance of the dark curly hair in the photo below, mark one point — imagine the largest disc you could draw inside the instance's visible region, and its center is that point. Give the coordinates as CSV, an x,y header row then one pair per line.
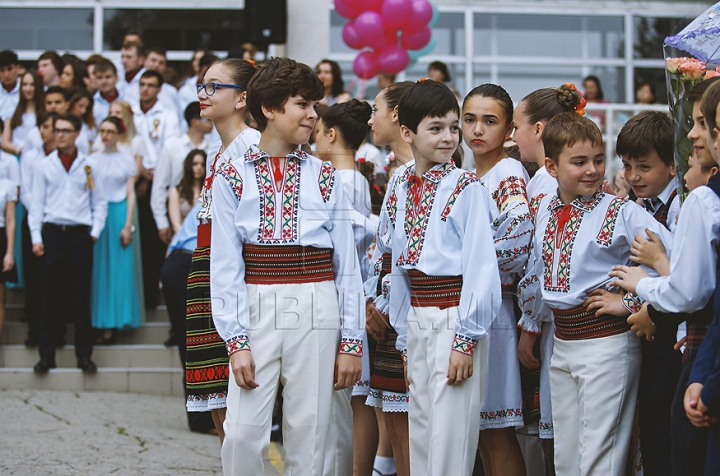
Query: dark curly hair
x,y
351,119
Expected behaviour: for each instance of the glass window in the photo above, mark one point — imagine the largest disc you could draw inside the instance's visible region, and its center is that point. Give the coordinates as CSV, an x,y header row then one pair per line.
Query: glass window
x,y
175,29
46,28
656,77
337,45
481,75
456,70
651,32
549,35
449,32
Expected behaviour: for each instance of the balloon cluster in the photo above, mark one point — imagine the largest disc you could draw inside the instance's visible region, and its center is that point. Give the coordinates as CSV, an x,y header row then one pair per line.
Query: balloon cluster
x,y
391,33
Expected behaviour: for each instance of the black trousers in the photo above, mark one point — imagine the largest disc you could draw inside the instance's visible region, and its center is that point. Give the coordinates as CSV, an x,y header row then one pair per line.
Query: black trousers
x,y
66,264
689,443
174,274
153,249
660,371
31,270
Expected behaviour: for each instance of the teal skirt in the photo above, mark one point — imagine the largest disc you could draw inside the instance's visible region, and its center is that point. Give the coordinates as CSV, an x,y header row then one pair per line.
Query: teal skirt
x,y
114,296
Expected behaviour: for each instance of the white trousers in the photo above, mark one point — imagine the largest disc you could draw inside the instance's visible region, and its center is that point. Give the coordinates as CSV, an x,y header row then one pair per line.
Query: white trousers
x,y
594,386
294,338
444,420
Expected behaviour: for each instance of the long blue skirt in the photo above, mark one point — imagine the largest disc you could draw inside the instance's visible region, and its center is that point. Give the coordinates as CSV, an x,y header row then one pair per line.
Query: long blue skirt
x,y
114,298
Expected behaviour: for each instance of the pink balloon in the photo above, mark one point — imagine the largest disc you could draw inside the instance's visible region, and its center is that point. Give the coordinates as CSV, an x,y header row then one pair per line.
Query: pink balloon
x,y
422,13
348,8
350,36
393,59
374,5
391,38
370,29
415,41
366,65
396,13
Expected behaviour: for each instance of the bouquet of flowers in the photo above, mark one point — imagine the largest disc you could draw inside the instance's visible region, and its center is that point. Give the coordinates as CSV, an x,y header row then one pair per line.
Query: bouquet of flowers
x,y
682,74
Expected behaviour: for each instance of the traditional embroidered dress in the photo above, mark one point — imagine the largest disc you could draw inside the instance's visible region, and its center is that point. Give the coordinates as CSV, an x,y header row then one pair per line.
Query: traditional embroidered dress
x,y
286,277
206,369
387,373
541,185
595,359
446,294
512,228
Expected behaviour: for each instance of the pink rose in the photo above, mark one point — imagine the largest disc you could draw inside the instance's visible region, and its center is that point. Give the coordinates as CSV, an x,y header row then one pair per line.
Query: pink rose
x,y
692,70
671,64
711,74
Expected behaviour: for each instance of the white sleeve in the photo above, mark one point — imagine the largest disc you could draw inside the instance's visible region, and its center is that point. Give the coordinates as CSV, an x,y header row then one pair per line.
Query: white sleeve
x,y
37,204
161,188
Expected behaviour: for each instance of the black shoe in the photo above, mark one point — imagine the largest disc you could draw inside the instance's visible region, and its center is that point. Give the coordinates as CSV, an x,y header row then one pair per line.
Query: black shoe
x,y
86,365
31,342
45,364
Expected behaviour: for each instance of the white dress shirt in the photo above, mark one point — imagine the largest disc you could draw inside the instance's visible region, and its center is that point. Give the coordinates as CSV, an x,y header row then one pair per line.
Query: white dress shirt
x,y
9,167
168,173
447,233
8,193
314,212
63,197
693,260
101,106
155,127
9,101
28,165
576,260
372,154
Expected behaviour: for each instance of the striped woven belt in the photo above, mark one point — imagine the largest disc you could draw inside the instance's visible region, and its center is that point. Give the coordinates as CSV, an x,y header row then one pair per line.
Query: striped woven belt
x,y
203,239
434,291
578,323
266,264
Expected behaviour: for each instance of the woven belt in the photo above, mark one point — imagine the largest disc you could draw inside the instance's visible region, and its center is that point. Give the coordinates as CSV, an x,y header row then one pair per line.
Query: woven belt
x,y
203,239
266,264
434,291
578,323
384,271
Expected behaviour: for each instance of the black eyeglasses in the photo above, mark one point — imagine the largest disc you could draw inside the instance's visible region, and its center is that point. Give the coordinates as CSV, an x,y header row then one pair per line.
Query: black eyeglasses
x,y
210,88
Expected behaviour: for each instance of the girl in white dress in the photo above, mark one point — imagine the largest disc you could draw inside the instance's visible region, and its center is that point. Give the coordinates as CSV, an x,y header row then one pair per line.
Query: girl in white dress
x,y
486,124
23,119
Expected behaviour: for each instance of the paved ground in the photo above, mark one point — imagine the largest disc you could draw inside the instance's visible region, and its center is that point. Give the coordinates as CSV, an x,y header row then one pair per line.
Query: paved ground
x,y
90,433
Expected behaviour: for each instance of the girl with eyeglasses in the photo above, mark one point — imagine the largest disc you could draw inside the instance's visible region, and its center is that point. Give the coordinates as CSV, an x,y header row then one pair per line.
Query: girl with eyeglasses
x,y
114,300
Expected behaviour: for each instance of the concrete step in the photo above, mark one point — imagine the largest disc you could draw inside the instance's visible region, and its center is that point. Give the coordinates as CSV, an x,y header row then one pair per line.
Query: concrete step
x,y
151,381
115,356
15,333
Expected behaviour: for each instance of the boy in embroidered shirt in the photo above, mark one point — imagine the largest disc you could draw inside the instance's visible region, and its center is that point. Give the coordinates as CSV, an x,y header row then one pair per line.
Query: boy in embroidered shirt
x,y
645,145
690,285
581,233
285,279
442,240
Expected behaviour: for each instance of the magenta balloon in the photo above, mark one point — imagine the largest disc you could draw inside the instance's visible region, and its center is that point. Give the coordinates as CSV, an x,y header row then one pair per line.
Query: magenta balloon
x,y
366,65
396,13
370,29
416,41
422,13
374,5
348,8
350,36
393,59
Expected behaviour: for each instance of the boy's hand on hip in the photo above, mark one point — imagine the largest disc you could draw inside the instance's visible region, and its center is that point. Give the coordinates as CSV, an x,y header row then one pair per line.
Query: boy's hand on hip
x,y
243,369
348,370
461,367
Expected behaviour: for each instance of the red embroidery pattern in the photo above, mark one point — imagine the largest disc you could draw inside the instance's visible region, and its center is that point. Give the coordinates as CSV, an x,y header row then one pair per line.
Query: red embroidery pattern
x,y
391,206
465,179
512,187
604,236
230,174
535,205
326,180
416,223
566,240
289,197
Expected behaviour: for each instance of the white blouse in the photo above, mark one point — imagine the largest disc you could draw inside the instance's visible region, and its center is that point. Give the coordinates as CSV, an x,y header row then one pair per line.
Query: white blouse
x,y
442,228
309,210
8,193
576,259
693,261
114,169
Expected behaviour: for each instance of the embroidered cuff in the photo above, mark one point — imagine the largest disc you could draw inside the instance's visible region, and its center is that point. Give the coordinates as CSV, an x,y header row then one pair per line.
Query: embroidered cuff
x,y
529,325
464,344
632,303
382,304
238,343
403,355
352,347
